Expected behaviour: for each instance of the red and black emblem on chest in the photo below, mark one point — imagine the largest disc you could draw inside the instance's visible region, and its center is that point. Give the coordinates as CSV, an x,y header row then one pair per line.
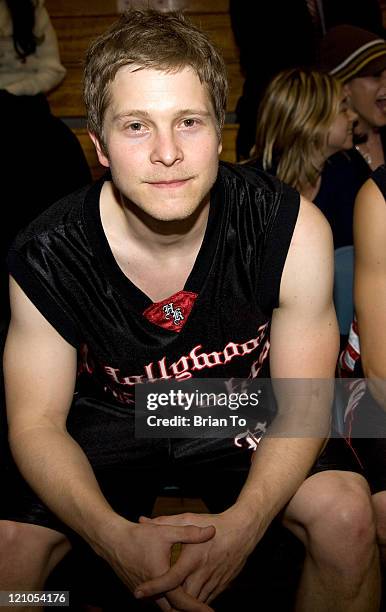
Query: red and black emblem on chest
x,y
173,312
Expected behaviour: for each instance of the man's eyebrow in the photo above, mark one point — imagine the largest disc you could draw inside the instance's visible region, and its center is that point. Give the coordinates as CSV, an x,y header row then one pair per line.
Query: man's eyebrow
x,y
193,111
146,115
131,113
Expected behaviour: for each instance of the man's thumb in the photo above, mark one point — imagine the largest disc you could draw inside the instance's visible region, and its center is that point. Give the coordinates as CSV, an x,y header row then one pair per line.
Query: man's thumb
x,y
193,534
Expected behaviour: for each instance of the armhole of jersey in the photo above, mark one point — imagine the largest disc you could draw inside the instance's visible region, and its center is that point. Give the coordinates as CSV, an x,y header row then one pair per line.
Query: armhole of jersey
x,y
51,310
379,178
277,244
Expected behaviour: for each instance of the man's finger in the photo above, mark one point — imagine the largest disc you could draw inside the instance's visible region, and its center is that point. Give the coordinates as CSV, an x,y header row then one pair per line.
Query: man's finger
x,y
178,519
163,603
209,591
181,600
191,534
146,519
169,581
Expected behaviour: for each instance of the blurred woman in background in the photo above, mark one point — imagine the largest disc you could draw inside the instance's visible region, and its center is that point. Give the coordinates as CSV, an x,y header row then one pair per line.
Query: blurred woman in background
x,y
303,119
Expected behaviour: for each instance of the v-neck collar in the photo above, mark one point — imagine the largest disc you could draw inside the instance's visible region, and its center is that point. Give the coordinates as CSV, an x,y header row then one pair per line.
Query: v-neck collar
x,y
102,250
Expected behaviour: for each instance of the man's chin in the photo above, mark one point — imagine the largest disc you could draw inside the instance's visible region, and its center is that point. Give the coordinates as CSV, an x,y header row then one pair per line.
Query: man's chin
x,y
175,209
172,216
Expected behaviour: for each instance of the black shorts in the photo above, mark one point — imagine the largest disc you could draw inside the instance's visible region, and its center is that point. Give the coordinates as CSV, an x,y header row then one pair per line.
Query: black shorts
x,y
368,439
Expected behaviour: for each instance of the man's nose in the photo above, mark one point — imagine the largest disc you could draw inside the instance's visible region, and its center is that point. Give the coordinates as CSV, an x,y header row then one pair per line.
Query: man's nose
x,y
166,149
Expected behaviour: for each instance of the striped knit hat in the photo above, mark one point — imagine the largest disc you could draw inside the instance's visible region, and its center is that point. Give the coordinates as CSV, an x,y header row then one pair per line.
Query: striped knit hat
x,y
348,52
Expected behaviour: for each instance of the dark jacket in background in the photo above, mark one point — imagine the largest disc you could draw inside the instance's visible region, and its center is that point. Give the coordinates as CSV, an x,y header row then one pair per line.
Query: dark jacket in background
x,y
42,162
343,176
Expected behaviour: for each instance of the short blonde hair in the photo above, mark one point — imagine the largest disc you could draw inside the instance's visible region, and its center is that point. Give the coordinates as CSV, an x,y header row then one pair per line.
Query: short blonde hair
x,y
150,39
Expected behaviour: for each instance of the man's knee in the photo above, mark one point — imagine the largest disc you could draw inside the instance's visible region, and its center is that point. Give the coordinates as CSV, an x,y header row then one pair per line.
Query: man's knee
x,y
27,546
335,518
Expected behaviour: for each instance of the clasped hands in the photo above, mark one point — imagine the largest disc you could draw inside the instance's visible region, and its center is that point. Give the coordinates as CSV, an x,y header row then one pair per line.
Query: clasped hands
x,y
206,564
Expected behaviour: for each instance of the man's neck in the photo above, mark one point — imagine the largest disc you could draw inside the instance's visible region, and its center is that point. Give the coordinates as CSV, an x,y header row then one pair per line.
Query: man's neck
x,y
157,257
125,222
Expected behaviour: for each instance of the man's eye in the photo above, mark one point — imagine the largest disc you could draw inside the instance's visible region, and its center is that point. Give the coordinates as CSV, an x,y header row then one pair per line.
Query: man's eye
x,y
135,127
189,122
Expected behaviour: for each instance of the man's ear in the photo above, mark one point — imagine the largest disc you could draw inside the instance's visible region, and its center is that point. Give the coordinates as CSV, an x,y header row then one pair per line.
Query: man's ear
x,y
103,159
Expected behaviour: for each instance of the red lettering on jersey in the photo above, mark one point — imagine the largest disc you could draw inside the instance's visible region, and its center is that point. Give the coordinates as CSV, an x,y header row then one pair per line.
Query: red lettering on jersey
x,y
204,360
182,368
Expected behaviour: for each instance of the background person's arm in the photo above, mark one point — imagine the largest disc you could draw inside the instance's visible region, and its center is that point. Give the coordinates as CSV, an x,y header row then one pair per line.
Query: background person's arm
x,y
48,71
40,372
304,345
370,285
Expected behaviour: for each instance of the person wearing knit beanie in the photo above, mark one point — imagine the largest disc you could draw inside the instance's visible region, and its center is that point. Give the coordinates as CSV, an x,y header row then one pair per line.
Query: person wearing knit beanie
x,y
358,58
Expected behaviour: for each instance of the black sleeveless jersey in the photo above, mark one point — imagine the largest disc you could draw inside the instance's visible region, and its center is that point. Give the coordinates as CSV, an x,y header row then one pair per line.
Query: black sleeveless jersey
x,y
217,326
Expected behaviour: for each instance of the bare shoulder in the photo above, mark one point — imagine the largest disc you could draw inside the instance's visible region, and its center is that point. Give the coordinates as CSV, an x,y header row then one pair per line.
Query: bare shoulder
x,y
312,228
370,205
30,327
308,271
369,190
370,226
305,318
36,357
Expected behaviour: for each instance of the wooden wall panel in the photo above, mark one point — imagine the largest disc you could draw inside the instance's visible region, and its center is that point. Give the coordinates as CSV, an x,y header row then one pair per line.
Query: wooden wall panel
x,y
75,32
109,7
77,22
89,150
229,142
67,100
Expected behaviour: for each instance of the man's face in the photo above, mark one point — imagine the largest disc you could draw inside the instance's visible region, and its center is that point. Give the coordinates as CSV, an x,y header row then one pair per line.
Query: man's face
x,y
161,141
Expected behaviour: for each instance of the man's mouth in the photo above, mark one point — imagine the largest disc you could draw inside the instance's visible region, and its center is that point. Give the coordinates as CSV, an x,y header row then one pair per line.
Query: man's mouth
x,y
169,184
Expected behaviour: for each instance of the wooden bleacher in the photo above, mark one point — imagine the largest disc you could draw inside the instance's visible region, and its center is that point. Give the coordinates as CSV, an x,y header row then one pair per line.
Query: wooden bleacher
x,y
77,22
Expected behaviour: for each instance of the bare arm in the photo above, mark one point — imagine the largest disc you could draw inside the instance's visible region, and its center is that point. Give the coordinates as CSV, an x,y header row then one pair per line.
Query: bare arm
x,y
304,345
40,370
370,285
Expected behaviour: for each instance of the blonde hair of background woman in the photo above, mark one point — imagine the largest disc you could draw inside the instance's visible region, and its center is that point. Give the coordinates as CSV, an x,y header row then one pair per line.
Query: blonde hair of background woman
x,y
295,115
